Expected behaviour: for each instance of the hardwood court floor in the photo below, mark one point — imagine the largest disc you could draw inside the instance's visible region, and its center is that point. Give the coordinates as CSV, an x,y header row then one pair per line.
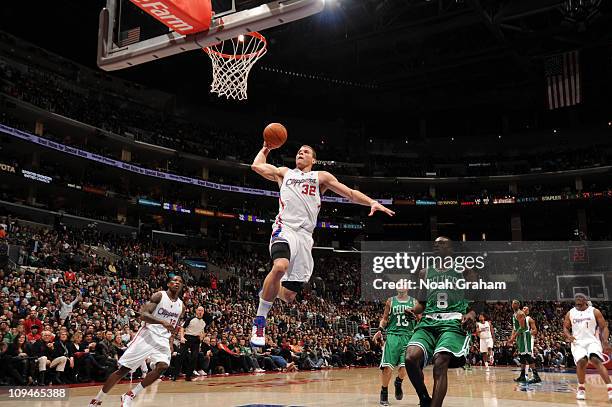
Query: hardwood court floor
x,y
346,387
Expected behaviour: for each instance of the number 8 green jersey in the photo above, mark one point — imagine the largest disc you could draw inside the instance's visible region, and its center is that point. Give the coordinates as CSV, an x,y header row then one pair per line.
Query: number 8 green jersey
x,y
399,323
442,300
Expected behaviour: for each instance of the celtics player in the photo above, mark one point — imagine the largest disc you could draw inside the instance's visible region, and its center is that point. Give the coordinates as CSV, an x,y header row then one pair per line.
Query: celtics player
x,y
522,330
443,334
399,330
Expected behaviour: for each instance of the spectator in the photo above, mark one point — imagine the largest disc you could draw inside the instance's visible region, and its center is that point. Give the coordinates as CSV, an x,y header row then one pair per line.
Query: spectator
x,y
34,336
48,357
32,320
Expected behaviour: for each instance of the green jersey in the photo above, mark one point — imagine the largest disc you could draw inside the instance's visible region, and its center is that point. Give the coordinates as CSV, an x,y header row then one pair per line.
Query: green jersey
x,y
443,299
524,341
517,325
399,323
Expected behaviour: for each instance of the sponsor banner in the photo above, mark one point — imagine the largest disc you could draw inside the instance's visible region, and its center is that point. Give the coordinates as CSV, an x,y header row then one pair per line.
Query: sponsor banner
x,y
351,226
149,202
425,202
203,212
504,200
175,208
183,16
527,199
36,176
447,203
225,215
250,218
328,225
7,168
154,173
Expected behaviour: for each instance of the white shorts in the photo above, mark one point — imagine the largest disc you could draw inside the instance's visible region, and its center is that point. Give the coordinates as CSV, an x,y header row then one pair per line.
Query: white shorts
x,y
585,349
300,243
485,344
146,345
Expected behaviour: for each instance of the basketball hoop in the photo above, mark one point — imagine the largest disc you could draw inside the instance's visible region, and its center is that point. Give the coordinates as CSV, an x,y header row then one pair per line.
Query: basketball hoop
x,y
232,61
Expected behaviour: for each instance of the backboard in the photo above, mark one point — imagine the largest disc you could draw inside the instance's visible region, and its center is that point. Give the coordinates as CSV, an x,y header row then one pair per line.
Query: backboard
x,y
127,36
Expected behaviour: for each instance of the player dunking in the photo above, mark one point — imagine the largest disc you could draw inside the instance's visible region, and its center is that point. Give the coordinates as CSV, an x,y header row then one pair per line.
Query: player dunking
x,y
486,333
291,242
584,320
161,316
399,331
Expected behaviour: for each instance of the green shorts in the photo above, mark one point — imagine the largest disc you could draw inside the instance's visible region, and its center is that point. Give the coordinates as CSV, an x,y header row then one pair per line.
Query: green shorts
x,y
394,351
434,336
524,343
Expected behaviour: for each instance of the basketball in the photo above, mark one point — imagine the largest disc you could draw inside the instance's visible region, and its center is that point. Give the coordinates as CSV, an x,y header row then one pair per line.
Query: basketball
x,y
275,135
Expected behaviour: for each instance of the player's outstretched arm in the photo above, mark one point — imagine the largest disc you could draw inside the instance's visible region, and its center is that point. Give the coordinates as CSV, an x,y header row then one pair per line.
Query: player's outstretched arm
x,y
567,325
604,332
329,181
146,312
268,171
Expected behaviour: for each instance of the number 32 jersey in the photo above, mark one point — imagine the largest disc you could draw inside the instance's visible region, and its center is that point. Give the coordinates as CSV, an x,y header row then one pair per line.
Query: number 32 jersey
x,y
300,201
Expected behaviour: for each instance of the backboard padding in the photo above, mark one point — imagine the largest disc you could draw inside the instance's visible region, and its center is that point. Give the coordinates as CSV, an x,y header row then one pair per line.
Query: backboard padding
x,y
112,56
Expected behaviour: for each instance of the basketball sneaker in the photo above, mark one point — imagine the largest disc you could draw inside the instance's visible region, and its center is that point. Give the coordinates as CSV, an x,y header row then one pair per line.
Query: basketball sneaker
x,y
258,336
581,393
535,379
384,396
424,401
126,399
95,403
399,394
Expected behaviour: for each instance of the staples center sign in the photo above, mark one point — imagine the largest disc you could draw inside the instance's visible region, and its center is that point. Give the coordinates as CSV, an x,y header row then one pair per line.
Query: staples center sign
x,y
182,16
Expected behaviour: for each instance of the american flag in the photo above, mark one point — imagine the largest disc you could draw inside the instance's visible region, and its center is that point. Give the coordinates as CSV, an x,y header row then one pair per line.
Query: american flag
x,y
563,81
129,37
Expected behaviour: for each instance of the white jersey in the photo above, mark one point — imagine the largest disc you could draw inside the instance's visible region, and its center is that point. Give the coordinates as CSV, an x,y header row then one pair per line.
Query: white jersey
x,y
299,202
166,310
484,330
584,325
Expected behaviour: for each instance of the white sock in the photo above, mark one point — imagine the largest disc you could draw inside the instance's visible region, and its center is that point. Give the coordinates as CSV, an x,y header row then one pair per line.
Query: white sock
x,y
264,308
609,387
100,395
137,389
581,386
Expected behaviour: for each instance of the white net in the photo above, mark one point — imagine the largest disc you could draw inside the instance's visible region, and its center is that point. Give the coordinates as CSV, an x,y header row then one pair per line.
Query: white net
x,y
232,61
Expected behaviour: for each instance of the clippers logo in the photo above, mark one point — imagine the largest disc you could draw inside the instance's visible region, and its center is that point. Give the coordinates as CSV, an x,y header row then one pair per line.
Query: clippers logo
x,y
299,182
167,314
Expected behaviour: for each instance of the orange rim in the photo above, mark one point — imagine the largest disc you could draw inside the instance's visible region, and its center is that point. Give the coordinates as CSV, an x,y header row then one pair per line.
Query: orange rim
x,y
254,34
